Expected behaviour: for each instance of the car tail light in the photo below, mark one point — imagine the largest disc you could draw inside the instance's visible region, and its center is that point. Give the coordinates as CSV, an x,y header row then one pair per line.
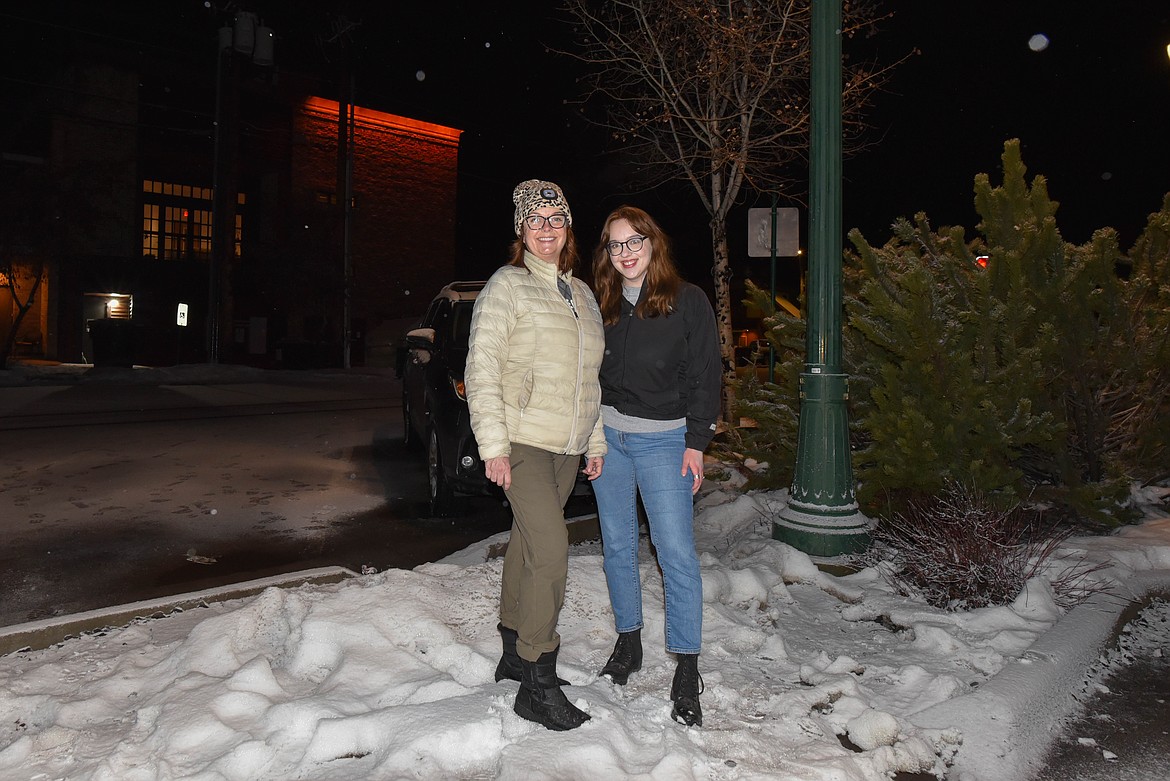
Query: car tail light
x,y
460,388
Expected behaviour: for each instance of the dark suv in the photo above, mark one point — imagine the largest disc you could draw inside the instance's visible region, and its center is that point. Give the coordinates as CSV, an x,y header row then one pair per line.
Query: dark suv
x,y
434,404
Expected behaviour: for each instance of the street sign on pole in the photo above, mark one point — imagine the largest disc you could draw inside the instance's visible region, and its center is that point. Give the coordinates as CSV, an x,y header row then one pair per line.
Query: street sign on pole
x,y
773,232
787,232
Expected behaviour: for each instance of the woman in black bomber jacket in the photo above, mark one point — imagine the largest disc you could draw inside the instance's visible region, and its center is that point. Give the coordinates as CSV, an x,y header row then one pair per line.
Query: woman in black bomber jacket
x,y
660,384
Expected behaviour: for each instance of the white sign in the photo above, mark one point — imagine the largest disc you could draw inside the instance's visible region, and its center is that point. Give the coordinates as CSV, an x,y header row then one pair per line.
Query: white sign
x,y
181,316
787,232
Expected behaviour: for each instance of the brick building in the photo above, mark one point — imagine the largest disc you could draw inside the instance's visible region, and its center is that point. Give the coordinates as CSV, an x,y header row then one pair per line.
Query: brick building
x,y
108,169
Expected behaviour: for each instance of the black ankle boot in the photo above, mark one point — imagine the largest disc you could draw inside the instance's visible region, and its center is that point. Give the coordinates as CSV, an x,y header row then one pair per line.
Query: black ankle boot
x,y
685,691
625,659
509,666
540,698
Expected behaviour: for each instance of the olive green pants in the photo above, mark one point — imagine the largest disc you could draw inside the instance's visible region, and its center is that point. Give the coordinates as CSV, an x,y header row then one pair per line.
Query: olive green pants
x,y
536,564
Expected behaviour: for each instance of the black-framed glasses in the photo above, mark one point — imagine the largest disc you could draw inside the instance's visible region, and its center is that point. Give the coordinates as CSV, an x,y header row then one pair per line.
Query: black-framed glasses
x,y
633,244
537,221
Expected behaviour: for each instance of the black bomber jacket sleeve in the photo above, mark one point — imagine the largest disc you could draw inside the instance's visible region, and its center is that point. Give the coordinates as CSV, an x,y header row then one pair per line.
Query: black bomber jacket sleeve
x,y
704,370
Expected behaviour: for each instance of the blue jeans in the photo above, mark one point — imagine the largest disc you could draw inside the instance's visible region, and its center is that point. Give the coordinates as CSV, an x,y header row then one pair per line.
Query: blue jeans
x,y
649,464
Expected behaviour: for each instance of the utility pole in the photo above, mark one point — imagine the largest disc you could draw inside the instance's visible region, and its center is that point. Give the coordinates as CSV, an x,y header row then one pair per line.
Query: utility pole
x,y
822,517
245,41
346,136
346,117
223,62
772,289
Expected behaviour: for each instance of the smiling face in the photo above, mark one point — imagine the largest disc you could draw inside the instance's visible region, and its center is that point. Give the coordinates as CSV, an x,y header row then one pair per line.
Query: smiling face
x,y
546,242
631,264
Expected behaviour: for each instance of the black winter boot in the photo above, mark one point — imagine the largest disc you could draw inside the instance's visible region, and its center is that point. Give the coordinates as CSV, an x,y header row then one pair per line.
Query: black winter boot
x,y
540,698
685,691
509,666
625,659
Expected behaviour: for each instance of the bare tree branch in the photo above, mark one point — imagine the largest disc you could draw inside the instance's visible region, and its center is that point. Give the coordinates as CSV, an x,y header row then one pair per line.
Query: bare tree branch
x,y
716,93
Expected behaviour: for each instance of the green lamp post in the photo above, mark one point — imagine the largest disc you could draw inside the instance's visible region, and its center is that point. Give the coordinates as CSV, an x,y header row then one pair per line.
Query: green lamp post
x,y
822,517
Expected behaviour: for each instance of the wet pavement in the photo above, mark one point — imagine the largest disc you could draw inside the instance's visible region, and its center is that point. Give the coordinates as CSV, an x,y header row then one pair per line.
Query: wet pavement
x,y
1124,732
130,486
115,489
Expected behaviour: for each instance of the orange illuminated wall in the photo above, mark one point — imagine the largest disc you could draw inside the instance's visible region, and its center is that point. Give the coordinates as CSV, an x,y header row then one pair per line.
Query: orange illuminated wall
x,y
404,187
388,122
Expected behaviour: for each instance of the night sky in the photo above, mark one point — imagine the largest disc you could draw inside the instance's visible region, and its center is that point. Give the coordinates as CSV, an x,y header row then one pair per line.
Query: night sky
x,y
1092,107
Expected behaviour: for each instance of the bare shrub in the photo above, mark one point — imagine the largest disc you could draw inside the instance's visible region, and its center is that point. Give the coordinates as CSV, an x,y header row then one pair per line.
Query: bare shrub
x,y
962,550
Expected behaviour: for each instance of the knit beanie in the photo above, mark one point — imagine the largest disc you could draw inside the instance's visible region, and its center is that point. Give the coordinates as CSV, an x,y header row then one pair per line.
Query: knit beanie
x,y
535,194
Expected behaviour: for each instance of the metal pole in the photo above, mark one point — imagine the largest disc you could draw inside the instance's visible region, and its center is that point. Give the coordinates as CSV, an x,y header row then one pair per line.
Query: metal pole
x,y
347,272
224,42
772,300
822,516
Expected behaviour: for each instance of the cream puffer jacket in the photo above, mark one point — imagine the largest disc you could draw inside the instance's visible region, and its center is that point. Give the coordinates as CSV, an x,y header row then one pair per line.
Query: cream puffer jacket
x,y
533,363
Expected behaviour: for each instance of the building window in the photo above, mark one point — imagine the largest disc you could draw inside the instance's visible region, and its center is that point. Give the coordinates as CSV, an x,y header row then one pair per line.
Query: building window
x,y
176,222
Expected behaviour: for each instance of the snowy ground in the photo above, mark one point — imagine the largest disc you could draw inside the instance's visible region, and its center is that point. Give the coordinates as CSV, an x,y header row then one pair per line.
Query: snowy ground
x,y
389,675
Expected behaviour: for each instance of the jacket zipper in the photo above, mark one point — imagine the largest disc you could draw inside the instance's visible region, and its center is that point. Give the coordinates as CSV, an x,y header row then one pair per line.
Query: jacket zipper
x,y
580,371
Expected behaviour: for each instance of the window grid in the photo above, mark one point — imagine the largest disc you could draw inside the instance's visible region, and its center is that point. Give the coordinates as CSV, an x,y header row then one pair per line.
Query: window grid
x,y
177,225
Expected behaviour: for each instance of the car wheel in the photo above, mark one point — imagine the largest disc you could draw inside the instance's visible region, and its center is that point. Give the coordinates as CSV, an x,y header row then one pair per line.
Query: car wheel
x,y
409,438
442,496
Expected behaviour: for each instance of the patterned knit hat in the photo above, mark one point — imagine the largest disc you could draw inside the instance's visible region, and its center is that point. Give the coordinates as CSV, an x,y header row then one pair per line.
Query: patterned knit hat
x,y
535,194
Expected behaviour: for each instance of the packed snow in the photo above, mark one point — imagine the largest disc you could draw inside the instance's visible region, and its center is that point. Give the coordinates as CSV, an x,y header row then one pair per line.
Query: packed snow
x,y
389,675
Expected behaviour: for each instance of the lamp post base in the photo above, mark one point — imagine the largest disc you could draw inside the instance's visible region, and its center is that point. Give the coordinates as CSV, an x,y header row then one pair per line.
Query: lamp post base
x,y
824,532
822,517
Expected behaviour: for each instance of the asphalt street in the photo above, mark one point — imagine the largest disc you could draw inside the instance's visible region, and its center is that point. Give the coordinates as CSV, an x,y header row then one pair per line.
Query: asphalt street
x,y
116,489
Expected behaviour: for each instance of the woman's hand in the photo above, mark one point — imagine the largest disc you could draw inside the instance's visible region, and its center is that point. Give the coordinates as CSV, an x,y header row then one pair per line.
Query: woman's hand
x,y
593,466
499,471
693,462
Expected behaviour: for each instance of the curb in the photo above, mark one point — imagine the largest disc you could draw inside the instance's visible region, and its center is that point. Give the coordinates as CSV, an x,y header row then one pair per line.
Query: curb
x,y
1013,730
583,528
36,635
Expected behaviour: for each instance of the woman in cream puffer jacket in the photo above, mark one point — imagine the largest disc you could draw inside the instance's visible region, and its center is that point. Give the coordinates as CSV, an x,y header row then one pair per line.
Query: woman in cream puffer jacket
x,y
533,365
535,400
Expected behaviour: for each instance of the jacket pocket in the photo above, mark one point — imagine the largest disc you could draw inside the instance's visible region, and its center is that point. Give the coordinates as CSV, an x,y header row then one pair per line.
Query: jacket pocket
x,y
525,394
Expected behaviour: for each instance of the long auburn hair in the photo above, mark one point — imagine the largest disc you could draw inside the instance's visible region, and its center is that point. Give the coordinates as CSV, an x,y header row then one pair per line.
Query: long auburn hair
x,y
662,280
565,263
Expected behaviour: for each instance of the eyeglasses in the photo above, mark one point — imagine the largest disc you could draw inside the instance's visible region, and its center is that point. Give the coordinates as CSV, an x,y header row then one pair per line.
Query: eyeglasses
x,y
537,221
633,244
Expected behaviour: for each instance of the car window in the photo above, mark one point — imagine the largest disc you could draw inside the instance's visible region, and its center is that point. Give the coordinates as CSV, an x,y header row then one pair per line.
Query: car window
x,y
461,325
428,320
440,321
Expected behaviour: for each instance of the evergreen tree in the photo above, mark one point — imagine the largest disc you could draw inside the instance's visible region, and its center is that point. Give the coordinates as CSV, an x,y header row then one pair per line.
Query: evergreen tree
x,y
1043,369
939,379
1016,364
1100,333
1142,426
